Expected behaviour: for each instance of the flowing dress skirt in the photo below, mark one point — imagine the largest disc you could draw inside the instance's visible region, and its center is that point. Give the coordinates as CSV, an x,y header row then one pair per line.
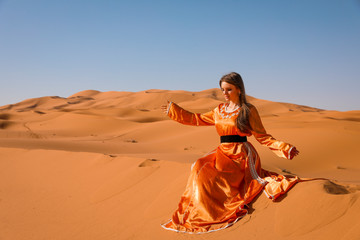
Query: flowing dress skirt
x,y
220,186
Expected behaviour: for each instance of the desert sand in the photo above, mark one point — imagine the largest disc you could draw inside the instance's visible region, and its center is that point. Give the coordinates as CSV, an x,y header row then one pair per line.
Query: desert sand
x,y
111,165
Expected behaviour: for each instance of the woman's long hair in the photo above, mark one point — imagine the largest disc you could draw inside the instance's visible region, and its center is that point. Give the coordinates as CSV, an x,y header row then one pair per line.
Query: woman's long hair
x,y
242,121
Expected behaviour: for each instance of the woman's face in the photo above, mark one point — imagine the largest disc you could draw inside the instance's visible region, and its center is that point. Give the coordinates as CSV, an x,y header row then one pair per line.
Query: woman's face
x,y
231,92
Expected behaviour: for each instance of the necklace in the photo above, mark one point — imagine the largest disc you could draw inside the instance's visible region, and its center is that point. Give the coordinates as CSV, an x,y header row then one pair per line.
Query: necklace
x,y
225,114
226,108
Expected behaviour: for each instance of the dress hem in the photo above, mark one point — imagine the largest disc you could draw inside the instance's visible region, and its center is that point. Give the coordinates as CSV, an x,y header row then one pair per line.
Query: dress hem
x,y
210,231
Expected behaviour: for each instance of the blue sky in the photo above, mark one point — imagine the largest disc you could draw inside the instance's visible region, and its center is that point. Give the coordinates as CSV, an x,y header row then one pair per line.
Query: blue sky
x,y
305,52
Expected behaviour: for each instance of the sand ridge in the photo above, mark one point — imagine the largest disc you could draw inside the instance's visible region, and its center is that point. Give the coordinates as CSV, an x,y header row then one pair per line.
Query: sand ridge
x,y
111,165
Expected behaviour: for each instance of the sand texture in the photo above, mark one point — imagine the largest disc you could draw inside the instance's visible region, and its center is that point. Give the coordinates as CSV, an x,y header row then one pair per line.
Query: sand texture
x,y
110,165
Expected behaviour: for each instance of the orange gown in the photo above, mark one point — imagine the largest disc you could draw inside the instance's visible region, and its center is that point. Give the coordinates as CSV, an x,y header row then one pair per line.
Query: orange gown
x,y
224,181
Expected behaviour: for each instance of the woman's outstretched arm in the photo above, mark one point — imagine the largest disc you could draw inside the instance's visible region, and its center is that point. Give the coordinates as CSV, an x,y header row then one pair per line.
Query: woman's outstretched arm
x,y
175,112
280,148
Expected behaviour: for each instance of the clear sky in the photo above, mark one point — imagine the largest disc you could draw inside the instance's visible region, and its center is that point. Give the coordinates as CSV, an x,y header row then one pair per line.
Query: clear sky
x,y
300,51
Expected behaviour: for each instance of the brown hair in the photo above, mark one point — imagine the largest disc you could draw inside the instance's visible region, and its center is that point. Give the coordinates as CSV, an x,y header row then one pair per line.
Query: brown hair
x,y
242,121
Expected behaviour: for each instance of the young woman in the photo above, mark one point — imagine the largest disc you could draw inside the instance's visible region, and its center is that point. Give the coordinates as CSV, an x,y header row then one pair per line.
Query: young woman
x,y
224,181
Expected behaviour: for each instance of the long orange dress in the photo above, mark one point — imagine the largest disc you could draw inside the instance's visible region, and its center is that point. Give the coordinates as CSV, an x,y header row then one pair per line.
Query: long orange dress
x,y
222,182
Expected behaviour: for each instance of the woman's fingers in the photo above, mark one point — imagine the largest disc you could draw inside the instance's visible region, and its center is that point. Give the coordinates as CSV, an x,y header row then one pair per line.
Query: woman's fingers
x,y
294,152
164,108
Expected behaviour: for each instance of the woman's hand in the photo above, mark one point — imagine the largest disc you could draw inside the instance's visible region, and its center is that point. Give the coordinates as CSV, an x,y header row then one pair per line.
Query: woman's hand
x,y
164,108
294,152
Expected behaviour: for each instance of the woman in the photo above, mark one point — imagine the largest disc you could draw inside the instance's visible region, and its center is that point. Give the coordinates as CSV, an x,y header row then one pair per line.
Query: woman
x,y
224,181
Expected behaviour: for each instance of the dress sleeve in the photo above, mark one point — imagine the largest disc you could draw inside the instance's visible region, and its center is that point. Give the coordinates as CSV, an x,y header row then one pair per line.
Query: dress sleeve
x,y
175,112
280,148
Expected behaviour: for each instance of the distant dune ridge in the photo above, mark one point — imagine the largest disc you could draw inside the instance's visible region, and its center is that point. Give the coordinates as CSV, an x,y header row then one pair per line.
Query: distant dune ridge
x,y
111,165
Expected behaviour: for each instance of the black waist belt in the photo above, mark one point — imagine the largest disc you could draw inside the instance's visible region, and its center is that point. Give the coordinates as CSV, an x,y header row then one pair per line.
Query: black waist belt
x,y
233,138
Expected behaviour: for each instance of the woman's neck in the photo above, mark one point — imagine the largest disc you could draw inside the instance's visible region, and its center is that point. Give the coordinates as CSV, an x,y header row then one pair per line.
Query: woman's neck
x,y
232,106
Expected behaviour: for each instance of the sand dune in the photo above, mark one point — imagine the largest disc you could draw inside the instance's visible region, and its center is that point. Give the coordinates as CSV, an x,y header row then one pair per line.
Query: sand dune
x,y
110,165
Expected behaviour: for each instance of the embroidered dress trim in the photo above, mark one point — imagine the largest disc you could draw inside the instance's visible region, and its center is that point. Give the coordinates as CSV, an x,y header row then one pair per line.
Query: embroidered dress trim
x,y
237,107
225,114
289,155
267,195
251,162
168,109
